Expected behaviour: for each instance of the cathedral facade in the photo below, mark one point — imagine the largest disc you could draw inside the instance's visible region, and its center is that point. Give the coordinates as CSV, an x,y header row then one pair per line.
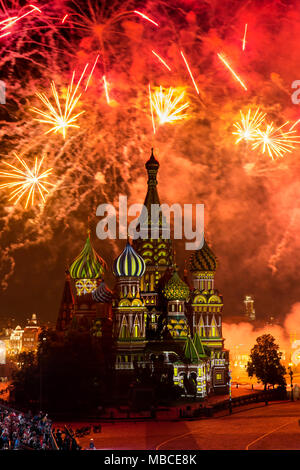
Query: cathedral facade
x,y
152,312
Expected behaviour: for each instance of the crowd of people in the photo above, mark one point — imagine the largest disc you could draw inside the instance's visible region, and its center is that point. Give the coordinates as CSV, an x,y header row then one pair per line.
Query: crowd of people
x,y
66,439
20,431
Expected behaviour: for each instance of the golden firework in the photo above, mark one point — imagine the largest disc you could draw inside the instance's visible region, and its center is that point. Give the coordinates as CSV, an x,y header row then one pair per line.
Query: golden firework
x,y
247,127
25,182
275,141
61,115
168,105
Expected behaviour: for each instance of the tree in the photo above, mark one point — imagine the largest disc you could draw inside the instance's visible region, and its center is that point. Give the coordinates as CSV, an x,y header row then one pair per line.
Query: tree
x,y
265,362
26,378
71,371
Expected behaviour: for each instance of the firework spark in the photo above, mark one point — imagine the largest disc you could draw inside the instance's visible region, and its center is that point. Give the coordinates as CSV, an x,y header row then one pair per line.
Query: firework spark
x,y
166,105
25,182
64,18
232,71
88,80
244,38
275,141
247,128
190,72
61,119
12,20
106,89
145,17
162,61
5,34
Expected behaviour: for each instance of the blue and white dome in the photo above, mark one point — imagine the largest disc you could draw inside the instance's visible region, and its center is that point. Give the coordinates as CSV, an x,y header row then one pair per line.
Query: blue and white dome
x,y
129,263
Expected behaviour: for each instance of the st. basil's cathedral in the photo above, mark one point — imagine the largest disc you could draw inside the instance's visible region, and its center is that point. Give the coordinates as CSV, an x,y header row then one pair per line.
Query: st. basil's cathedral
x,y
151,311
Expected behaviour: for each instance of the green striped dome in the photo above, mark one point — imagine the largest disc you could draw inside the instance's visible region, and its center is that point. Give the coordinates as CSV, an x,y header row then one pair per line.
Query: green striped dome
x,y
88,265
176,289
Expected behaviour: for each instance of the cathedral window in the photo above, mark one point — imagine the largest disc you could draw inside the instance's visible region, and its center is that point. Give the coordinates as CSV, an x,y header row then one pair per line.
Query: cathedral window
x,y
213,331
136,328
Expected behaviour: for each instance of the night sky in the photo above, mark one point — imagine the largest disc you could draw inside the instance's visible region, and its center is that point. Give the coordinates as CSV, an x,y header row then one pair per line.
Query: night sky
x,y
252,214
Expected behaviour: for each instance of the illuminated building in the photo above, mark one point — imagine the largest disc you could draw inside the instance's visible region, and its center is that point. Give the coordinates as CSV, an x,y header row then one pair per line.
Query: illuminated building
x,y
2,352
15,341
239,358
295,350
249,307
31,335
153,311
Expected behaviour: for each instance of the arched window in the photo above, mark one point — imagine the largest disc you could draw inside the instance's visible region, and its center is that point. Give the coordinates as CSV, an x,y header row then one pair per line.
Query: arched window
x,y
136,328
124,329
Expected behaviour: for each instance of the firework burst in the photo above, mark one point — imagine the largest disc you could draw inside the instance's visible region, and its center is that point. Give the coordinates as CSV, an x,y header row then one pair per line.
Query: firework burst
x,y
25,182
275,141
168,105
247,127
61,117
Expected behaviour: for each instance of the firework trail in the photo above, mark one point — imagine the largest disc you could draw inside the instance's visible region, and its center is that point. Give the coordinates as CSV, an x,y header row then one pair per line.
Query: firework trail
x,y
161,60
190,72
244,38
225,62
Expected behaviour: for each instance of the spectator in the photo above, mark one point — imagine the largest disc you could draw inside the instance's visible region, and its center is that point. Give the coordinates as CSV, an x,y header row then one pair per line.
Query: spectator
x,y
18,431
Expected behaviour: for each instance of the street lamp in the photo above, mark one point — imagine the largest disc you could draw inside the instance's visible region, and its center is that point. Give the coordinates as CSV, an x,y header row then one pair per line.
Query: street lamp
x,y
291,376
230,404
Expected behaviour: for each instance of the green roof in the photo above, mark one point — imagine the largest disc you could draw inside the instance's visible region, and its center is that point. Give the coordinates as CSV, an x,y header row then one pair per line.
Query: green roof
x,y
190,351
199,346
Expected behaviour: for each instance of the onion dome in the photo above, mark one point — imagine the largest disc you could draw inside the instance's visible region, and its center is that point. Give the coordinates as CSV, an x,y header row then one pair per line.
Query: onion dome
x,y
129,263
102,294
176,288
152,163
88,265
203,260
